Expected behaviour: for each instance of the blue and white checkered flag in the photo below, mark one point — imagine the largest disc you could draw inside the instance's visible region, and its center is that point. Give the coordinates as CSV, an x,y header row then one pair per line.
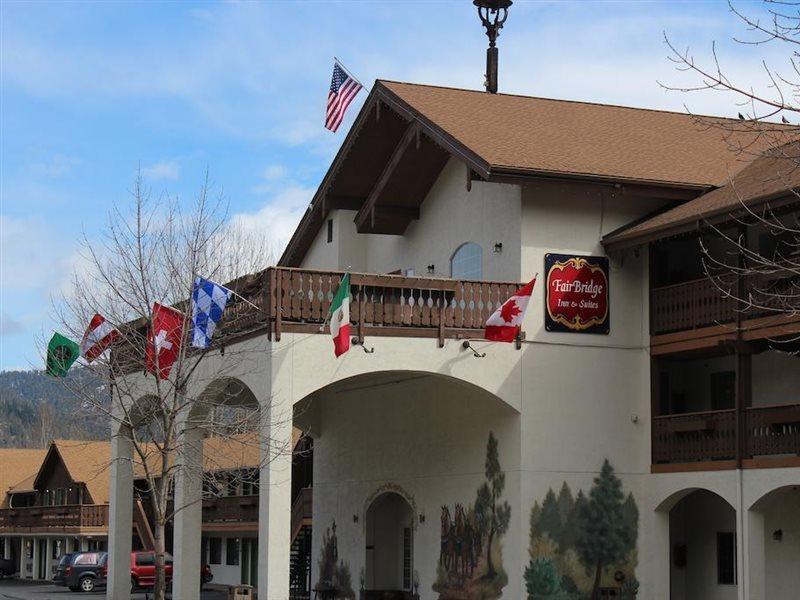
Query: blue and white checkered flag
x,y
208,303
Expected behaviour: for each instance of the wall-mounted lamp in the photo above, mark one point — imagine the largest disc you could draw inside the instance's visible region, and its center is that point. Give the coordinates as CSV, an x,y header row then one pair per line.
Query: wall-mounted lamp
x,y
355,518
421,517
431,269
498,247
777,535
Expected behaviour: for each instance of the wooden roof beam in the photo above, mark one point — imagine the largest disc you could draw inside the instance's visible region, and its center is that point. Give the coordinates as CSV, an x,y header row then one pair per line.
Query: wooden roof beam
x,y
365,218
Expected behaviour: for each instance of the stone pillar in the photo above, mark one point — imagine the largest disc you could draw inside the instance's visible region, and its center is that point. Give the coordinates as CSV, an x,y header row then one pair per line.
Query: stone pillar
x,y
754,557
187,532
274,506
120,527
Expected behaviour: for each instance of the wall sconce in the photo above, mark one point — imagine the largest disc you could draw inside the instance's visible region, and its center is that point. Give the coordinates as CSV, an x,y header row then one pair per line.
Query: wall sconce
x,y
498,247
777,535
355,518
421,517
431,269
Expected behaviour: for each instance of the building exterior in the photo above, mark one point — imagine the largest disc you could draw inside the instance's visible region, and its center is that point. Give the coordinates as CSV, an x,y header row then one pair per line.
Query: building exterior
x,y
62,506
639,438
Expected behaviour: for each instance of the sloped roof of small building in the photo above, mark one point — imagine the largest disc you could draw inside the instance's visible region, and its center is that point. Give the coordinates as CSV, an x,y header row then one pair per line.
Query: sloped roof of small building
x,y
17,465
771,176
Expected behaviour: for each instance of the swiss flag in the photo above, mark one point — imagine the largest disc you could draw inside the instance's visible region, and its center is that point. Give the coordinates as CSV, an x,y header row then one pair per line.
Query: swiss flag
x,y
164,340
505,322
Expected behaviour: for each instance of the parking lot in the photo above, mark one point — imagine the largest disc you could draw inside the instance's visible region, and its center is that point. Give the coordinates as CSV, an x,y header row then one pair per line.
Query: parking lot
x,y
12,589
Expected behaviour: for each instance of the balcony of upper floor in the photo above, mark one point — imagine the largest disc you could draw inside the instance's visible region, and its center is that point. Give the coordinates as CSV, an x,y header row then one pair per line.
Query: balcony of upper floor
x,y
726,409
65,518
697,304
289,300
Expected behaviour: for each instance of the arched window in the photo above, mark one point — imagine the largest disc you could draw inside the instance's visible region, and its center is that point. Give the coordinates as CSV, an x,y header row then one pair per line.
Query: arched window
x,y
467,262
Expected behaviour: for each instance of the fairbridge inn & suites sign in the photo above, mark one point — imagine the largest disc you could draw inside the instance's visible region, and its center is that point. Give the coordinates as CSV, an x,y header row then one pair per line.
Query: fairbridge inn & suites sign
x,y
577,293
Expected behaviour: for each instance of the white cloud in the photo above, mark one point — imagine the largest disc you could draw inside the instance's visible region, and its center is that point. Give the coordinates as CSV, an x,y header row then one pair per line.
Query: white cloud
x,y
279,217
9,325
33,256
274,172
58,166
162,170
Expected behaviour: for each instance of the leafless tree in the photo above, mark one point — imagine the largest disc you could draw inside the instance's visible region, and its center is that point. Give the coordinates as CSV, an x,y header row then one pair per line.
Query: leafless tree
x,y
753,254
46,423
150,253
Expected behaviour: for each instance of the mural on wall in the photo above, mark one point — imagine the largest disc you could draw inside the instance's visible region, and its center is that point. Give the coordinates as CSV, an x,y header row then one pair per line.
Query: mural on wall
x,y
470,557
581,544
334,574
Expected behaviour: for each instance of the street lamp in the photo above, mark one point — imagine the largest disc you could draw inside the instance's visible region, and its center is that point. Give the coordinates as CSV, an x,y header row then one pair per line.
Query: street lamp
x,y
493,14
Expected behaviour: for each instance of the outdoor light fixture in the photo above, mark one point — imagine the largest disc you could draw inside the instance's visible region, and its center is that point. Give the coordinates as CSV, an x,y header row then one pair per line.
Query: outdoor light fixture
x,y
498,247
421,517
431,269
493,14
777,535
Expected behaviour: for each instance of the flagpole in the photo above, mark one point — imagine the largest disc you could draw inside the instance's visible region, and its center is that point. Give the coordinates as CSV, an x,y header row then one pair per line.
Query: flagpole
x,y
353,77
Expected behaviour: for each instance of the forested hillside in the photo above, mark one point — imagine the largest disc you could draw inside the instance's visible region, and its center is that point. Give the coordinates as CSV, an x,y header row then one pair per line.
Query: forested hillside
x,y
35,408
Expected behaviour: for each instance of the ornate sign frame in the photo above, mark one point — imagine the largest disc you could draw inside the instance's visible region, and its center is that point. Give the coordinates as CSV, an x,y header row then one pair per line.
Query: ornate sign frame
x,y
584,294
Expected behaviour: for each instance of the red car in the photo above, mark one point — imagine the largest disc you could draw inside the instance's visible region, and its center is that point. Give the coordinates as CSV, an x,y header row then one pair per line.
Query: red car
x,y
143,570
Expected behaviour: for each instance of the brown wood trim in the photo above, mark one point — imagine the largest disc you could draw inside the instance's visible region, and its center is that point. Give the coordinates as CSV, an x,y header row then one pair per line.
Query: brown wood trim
x,y
777,462
711,465
233,526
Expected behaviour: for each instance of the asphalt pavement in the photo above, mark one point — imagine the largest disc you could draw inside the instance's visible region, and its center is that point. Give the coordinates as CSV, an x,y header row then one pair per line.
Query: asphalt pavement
x,y
13,589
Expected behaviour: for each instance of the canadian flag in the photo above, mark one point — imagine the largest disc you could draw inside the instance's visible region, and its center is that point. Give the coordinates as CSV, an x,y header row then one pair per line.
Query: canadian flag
x,y
99,335
163,340
506,321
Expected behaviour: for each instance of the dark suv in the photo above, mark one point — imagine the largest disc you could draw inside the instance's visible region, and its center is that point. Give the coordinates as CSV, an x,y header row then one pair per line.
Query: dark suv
x,y
82,571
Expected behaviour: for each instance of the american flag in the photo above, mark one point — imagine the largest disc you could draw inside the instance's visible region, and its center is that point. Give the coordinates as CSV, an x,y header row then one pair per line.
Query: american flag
x,y
343,89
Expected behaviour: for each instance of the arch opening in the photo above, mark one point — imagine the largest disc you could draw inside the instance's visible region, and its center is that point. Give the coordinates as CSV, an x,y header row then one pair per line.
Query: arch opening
x,y
703,546
775,528
389,545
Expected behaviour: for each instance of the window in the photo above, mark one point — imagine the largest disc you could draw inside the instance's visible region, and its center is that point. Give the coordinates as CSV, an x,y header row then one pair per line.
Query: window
x,y
723,390
726,558
232,551
46,498
145,559
232,486
467,262
91,558
330,230
59,497
215,551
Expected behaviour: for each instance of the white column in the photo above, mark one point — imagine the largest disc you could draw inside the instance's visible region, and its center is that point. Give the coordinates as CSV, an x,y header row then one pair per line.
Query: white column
x,y
187,532
35,566
7,547
754,571
274,506
68,545
120,526
48,552
23,558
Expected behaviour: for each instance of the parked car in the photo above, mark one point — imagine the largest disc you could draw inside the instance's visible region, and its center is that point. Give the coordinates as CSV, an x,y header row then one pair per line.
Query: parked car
x,y
82,571
143,570
7,568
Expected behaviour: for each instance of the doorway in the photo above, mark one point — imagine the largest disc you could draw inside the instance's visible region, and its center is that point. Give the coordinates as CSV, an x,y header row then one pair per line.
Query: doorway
x,y
389,544
249,574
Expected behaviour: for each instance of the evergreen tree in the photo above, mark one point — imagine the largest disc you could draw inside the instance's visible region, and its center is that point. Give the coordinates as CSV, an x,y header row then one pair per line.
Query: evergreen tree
x,y
536,512
631,512
488,508
550,519
569,527
606,536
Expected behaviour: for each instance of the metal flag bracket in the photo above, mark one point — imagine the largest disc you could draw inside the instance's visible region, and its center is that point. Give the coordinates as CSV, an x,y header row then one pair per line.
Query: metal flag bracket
x,y
467,346
355,341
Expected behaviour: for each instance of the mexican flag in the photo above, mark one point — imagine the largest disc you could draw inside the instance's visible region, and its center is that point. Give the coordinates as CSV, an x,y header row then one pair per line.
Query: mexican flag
x,y
340,317
61,353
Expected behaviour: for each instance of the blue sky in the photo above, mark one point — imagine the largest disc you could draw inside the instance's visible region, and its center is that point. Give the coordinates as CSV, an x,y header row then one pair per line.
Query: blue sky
x,y
93,90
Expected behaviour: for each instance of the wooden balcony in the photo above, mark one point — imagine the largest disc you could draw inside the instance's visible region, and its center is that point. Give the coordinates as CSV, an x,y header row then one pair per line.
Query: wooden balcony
x,y
768,433
302,511
45,519
297,301
230,511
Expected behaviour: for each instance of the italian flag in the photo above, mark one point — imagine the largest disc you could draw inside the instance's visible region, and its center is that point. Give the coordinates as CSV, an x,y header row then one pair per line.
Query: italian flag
x,y
340,317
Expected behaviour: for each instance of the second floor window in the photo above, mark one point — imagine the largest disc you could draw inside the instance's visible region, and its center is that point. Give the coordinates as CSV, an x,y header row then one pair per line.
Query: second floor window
x,y
467,262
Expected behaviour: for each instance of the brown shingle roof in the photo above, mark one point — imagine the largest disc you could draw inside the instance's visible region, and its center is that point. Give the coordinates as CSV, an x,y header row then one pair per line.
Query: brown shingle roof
x,y
579,138
88,462
17,465
768,177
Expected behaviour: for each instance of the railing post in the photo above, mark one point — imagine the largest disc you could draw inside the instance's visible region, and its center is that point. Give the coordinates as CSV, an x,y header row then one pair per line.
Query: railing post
x,y
278,303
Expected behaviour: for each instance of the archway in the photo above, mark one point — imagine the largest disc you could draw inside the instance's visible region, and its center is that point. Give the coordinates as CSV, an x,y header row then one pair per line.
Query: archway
x,y
703,543
389,545
774,544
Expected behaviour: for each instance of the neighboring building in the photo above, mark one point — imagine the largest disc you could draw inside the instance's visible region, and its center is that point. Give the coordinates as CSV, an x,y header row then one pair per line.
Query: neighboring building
x,y
450,471
62,506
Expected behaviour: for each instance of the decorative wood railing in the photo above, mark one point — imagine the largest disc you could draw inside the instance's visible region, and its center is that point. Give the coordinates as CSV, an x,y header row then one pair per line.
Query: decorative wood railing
x,y
283,299
54,517
773,430
230,509
705,302
696,436
709,436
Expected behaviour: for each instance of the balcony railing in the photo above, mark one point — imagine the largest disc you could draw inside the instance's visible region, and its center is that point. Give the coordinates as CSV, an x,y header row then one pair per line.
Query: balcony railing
x,y
302,509
710,436
298,300
230,509
54,517
703,302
